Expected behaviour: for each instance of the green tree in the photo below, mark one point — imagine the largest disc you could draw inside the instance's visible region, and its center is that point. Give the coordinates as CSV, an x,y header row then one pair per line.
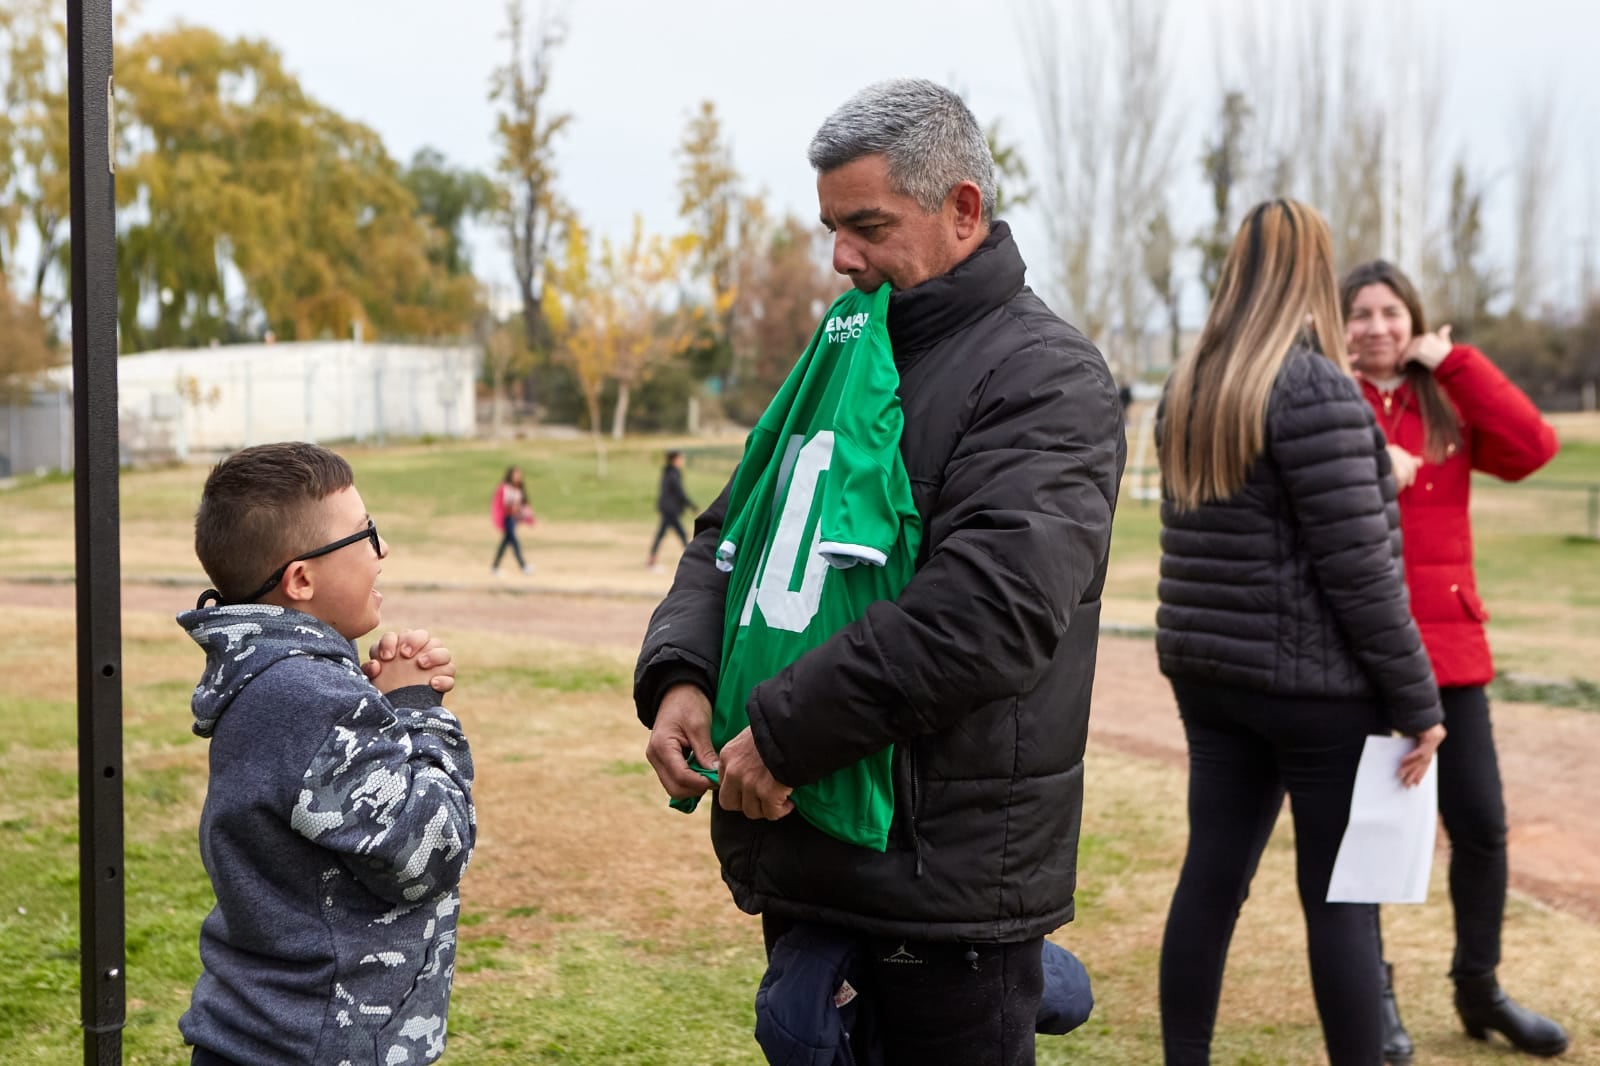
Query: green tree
x,y
450,198
1159,250
1012,187
1469,282
1223,166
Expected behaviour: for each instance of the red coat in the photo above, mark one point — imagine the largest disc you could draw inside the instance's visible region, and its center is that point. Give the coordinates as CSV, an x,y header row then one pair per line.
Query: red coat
x,y
1503,435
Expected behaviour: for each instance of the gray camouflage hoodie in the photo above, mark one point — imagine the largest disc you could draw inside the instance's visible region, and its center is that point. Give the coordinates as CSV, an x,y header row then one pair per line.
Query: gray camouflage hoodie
x,y
336,828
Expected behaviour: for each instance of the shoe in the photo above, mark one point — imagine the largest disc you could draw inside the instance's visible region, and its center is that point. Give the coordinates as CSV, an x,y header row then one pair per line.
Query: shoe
x,y
527,568
1484,1008
494,571
1397,1047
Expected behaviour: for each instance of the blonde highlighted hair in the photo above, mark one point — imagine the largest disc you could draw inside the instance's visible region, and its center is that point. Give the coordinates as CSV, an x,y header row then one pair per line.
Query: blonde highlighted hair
x,y
1277,290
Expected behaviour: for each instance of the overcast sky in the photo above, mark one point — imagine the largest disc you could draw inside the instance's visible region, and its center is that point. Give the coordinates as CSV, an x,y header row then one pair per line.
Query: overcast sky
x,y
633,70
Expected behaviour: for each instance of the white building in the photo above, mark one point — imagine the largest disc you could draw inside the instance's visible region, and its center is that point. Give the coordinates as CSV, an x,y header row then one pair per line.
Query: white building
x,y
213,400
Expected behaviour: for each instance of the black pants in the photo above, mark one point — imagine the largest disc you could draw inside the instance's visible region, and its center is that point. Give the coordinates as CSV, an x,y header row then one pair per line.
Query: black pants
x,y
509,541
1245,750
672,522
932,1005
1474,812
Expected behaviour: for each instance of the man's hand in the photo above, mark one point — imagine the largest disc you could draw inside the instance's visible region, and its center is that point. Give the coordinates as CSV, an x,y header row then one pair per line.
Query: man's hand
x,y
1415,763
683,725
413,647
746,783
1405,466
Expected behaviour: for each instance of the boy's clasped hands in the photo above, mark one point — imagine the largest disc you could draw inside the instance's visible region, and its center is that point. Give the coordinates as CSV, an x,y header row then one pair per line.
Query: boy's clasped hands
x,y
399,660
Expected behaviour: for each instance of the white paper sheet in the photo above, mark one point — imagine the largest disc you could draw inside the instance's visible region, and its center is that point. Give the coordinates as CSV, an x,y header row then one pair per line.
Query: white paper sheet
x,y
1387,851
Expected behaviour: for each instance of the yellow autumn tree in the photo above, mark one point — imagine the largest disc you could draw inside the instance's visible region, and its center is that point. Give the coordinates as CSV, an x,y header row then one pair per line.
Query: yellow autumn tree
x,y
227,162
24,345
616,315
579,316
709,202
654,324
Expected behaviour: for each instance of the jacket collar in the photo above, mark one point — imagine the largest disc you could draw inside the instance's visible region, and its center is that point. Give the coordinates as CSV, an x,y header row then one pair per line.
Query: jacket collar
x,y
1375,395
923,316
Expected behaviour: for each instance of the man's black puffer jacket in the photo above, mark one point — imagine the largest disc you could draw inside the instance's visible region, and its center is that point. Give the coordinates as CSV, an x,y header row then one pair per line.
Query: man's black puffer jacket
x,y
1293,586
979,674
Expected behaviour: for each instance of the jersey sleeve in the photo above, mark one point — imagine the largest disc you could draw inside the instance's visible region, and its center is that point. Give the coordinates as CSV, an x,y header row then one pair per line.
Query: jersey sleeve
x,y
859,521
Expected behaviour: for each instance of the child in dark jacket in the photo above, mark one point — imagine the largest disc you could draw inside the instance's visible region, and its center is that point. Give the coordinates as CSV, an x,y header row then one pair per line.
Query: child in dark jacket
x,y
338,819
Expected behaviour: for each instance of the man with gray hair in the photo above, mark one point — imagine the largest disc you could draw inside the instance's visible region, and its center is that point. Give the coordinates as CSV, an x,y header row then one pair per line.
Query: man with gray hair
x,y
979,672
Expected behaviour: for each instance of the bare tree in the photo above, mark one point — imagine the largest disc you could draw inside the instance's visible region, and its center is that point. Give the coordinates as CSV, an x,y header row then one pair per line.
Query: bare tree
x,y
1066,78
1141,160
1533,178
1108,150
1264,61
526,130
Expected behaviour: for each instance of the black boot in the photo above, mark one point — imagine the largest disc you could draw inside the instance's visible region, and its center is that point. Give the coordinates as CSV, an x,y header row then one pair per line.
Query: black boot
x,y
1397,1049
1484,1007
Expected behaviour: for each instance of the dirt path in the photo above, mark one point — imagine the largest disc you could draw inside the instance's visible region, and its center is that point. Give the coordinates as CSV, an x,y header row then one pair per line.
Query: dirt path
x,y
1546,754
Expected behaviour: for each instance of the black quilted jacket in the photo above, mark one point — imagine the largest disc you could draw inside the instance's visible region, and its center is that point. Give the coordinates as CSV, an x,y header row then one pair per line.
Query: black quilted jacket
x,y
979,674
1293,586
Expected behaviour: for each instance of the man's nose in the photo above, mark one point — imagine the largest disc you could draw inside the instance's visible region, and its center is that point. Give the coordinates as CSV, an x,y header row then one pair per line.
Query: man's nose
x,y
846,259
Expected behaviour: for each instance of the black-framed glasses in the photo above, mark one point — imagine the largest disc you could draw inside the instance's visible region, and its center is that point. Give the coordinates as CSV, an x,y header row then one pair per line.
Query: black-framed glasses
x,y
370,533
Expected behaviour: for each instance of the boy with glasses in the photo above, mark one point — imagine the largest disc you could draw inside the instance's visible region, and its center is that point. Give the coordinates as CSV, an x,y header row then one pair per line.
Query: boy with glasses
x,y
338,818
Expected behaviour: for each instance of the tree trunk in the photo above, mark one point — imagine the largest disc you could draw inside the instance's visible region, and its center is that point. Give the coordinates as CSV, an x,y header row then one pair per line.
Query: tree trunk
x,y
497,406
592,398
619,417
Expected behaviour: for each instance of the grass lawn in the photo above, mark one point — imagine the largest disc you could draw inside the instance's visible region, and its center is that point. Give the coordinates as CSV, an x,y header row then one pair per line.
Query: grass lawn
x,y
595,928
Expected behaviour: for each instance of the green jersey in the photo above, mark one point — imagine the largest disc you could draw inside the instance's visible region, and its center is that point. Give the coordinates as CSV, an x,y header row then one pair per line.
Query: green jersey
x,y
820,525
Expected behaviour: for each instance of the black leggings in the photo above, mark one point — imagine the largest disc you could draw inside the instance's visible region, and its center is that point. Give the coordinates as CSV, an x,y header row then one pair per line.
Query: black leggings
x,y
1246,749
933,1005
1474,812
672,522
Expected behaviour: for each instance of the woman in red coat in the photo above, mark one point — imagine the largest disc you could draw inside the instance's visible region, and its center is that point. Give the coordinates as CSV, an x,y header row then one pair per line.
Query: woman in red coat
x,y
1446,412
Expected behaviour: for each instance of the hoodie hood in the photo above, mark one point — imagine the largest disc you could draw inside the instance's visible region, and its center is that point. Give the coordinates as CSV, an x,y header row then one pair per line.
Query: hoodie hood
x,y
241,641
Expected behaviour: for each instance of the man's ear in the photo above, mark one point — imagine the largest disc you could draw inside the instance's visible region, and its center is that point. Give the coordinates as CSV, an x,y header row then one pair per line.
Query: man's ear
x,y
966,199
297,583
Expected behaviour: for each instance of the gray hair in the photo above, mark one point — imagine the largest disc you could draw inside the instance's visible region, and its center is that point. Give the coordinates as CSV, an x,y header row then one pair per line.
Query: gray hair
x,y
926,132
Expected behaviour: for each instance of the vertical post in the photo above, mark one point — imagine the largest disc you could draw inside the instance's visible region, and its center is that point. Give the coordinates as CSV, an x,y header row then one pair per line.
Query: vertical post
x,y
99,576
63,431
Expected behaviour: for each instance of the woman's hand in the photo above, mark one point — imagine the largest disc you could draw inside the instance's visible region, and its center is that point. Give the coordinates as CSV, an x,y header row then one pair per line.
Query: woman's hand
x,y
1415,764
1405,466
1428,349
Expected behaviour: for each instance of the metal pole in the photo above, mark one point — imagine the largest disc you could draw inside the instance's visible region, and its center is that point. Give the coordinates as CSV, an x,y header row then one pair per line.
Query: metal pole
x,y
99,576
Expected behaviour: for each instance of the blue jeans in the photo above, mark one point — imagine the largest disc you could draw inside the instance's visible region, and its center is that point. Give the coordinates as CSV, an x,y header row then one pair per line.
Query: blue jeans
x,y
509,523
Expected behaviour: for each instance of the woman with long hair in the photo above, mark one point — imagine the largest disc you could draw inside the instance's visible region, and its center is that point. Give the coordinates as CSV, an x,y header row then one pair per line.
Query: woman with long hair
x,y
507,510
1446,411
1282,624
